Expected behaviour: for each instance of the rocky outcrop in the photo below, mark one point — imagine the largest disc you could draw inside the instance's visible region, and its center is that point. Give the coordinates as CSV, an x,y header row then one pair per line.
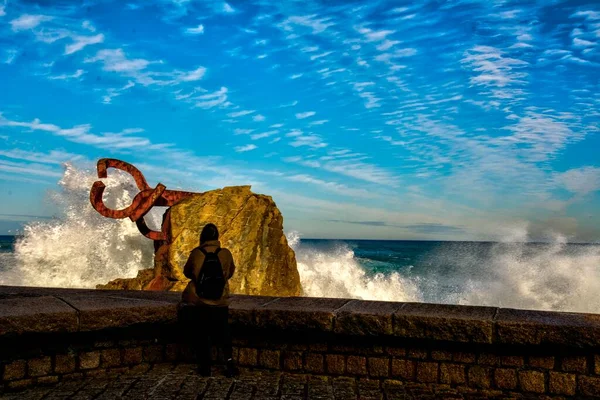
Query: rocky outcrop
x,y
250,225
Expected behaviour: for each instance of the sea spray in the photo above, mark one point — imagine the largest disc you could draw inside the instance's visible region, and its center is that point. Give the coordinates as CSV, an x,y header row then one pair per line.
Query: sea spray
x,y
338,274
81,248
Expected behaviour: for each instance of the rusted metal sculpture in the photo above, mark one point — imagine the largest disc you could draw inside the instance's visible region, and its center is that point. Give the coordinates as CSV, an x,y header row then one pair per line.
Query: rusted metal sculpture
x,y
142,203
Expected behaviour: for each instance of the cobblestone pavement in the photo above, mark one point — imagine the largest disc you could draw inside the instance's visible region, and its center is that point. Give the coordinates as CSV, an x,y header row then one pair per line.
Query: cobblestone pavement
x,y
165,381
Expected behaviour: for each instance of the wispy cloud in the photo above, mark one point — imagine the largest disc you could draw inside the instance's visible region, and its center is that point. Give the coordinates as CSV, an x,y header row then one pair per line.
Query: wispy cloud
x,y
243,149
77,74
237,114
258,118
28,21
81,42
217,98
304,115
199,30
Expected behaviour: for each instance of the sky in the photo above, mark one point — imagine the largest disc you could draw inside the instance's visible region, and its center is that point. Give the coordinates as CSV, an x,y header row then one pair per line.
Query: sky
x,y
457,120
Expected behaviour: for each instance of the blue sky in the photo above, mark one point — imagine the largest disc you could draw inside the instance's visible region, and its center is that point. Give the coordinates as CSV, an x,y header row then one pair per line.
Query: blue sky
x,y
449,120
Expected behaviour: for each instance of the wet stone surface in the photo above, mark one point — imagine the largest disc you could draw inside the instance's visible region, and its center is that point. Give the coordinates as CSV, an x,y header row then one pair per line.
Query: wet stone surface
x,y
166,381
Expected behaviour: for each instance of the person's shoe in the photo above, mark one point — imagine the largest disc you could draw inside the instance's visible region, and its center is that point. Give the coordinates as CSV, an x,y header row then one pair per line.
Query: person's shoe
x,y
204,371
231,370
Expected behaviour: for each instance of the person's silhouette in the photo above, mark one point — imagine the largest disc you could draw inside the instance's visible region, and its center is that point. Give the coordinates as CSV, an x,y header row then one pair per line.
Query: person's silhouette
x,y
204,309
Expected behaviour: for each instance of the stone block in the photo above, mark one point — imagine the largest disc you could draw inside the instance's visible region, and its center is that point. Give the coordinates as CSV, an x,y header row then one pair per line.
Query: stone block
x,y
20,384
544,362
379,367
365,318
39,366
532,381
100,311
21,315
547,327
404,369
505,378
242,310
248,356
597,364
420,354
65,363
512,361
357,365
441,355
132,355
269,359
314,363
462,357
427,372
336,364
479,377
89,360
444,322
299,314
574,364
15,370
153,353
560,383
396,351
452,374
110,358
588,385
292,361
47,380
318,347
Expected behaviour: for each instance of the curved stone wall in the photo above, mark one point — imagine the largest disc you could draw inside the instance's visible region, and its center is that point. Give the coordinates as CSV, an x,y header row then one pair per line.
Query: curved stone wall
x,y
48,335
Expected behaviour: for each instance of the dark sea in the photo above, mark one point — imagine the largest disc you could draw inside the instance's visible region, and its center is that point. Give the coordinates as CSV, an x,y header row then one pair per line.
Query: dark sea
x,y
549,276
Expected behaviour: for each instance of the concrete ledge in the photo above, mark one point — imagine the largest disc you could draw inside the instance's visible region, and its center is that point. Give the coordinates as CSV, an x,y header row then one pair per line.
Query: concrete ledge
x,y
48,310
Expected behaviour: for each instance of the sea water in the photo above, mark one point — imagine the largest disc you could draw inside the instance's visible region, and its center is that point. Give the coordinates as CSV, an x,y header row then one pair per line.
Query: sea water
x,y
82,249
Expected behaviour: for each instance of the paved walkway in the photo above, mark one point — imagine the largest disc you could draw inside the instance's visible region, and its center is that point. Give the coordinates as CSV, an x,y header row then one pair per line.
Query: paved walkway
x,y
165,381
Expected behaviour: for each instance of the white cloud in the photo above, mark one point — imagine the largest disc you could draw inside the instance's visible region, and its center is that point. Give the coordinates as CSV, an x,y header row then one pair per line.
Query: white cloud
x,y
331,186
317,25
258,118
82,134
321,55
111,93
215,99
493,68
580,181
78,74
53,157
11,56
582,43
306,114
82,41
2,11
264,135
239,131
312,141
199,30
295,76
29,169
240,113
191,76
27,21
319,122
115,60
226,8
243,149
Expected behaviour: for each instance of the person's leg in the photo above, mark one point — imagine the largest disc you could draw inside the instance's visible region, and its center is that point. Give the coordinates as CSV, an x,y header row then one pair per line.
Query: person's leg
x,y
222,317
203,340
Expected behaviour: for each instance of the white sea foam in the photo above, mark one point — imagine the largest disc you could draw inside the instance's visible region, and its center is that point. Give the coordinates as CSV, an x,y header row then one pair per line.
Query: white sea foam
x,y
81,248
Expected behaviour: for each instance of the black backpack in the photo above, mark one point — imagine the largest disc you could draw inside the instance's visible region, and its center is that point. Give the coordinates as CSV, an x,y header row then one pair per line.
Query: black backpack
x,y
211,282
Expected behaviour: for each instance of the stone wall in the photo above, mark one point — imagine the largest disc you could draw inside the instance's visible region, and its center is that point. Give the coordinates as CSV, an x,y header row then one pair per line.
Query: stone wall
x,y
48,335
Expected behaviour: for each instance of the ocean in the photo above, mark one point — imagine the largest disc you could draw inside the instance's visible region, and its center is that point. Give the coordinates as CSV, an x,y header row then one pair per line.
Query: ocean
x,y
81,249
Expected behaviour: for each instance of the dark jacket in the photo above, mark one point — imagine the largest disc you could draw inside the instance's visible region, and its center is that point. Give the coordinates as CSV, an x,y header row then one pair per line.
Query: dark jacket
x,y
192,269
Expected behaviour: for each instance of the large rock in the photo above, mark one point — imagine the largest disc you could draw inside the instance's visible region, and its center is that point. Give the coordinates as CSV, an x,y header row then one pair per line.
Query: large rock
x,y
250,225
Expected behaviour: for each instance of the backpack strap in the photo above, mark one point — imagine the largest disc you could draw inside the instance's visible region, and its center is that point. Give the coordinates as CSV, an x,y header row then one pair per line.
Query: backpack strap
x,y
205,252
